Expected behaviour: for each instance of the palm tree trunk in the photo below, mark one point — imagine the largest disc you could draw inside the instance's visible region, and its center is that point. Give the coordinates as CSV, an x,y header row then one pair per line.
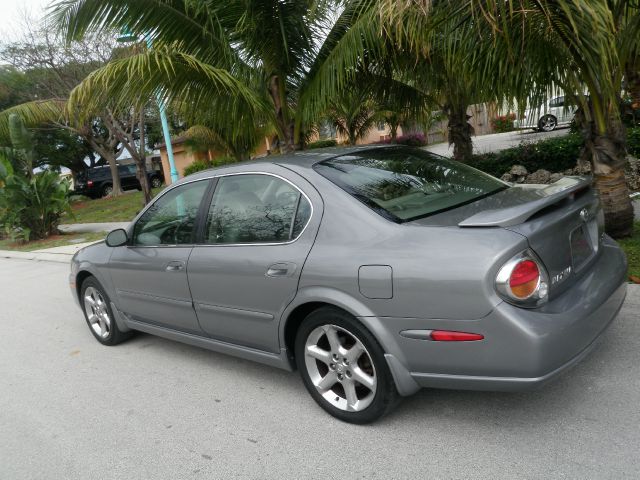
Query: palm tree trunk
x,y
460,132
285,125
606,152
632,76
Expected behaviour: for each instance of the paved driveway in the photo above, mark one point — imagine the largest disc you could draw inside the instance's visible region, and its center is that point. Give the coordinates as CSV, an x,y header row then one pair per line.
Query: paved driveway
x,y
499,141
153,409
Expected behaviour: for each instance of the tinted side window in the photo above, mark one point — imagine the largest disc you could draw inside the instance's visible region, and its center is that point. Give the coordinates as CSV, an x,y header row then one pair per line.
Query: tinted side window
x,y
255,209
171,219
557,102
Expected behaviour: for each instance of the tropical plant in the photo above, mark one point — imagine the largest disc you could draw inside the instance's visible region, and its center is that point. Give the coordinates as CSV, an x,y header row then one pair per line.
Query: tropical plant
x,y
31,208
536,44
322,144
21,153
275,64
354,112
503,123
200,165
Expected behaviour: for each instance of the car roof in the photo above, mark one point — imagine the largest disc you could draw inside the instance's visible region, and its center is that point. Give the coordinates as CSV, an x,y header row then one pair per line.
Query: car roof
x,y
303,159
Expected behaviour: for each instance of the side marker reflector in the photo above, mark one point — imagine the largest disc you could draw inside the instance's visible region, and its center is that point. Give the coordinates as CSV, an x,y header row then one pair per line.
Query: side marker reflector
x,y
449,336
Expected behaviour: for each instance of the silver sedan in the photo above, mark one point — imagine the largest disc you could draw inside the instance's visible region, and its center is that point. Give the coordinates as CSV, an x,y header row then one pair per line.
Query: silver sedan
x,y
373,271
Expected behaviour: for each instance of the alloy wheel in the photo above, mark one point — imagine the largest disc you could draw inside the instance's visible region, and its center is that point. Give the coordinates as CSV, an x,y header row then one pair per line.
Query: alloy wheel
x,y
340,368
548,123
97,312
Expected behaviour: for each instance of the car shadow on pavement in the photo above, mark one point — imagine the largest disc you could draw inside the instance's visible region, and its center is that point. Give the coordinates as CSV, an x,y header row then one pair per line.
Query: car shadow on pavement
x,y
577,392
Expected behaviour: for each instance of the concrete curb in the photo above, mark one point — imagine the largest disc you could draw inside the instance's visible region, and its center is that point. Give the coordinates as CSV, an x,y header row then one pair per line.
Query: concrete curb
x,y
37,256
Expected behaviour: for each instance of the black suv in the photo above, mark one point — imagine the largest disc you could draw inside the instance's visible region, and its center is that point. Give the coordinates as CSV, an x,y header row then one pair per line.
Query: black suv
x,y
96,182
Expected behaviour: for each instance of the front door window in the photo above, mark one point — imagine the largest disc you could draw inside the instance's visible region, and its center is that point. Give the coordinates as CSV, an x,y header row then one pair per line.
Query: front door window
x,y
171,219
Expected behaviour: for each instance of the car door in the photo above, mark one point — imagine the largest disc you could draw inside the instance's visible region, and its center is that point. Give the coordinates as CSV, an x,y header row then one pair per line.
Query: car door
x,y
128,178
150,274
258,232
556,108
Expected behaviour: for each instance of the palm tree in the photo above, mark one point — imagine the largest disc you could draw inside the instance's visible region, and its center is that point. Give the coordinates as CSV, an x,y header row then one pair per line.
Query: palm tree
x,y
354,113
21,154
222,62
577,45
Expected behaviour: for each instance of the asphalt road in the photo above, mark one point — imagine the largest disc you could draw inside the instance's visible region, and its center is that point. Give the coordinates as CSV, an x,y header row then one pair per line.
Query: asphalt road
x,y
151,409
495,142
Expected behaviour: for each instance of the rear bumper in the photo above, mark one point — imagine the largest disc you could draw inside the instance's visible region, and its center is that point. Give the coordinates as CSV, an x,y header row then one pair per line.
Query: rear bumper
x,y
522,348
496,383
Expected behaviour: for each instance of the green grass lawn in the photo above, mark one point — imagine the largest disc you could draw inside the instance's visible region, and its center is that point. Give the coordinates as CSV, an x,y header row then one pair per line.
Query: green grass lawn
x,y
52,241
113,209
631,247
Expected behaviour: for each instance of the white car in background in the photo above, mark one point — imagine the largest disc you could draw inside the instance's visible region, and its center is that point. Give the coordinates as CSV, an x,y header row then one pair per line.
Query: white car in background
x,y
548,116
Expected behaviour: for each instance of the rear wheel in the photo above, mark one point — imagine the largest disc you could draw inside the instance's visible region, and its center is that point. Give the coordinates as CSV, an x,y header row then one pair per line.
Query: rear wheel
x,y
107,190
156,182
548,123
343,367
98,314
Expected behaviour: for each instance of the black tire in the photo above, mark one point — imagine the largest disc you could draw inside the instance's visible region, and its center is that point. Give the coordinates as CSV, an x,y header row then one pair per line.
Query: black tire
x,y
547,123
106,190
115,335
385,397
156,182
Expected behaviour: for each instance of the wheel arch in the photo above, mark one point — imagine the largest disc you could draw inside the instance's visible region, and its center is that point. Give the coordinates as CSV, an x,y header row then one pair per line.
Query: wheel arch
x,y
312,298
81,276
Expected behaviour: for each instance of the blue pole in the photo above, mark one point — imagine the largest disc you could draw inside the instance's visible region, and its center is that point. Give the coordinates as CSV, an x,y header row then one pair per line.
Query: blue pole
x,y
165,129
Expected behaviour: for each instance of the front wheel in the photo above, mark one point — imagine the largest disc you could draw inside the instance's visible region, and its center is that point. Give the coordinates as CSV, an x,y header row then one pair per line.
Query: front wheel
x,y
156,182
98,314
548,123
343,367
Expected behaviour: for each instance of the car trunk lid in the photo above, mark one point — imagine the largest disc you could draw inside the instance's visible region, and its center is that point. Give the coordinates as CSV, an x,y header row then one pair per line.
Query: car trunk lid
x,y
563,224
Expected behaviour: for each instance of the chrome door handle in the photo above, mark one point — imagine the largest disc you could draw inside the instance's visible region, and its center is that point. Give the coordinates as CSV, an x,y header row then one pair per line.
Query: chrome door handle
x,y
174,266
281,269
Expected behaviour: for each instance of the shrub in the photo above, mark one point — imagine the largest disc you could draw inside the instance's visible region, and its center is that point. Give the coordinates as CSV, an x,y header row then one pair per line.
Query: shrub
x,y
322,144
555,155
30,209
503,123
412,140
200,165
633,141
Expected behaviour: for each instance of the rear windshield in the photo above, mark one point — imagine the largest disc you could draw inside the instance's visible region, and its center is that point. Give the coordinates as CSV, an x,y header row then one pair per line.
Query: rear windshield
x,y
406,184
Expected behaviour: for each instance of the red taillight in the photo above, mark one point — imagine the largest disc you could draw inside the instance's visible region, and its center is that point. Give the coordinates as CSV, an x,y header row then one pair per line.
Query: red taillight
x,y
524,279
90,183
449,336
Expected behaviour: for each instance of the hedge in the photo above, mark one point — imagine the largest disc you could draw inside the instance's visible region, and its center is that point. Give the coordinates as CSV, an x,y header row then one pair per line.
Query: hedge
x,y
322,144
200,165
555,155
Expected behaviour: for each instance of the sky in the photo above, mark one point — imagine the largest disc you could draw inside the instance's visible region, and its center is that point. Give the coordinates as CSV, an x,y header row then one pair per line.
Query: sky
x,y
12,12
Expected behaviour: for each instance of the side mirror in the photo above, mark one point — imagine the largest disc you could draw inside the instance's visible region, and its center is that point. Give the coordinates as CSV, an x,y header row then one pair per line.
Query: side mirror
x,y
117,238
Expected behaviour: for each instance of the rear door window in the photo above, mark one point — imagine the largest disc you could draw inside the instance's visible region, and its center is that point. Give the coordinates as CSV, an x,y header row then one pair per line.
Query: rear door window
x,y
255,208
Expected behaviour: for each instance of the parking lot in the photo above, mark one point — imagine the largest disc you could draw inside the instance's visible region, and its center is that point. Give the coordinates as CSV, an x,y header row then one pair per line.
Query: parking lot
x,y
150,408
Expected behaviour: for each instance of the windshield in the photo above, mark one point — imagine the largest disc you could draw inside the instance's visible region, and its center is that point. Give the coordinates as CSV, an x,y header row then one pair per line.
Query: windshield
x,y
405,184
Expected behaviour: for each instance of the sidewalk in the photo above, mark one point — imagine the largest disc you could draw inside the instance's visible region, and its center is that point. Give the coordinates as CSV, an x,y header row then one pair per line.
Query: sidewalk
x,y
494,142
56,254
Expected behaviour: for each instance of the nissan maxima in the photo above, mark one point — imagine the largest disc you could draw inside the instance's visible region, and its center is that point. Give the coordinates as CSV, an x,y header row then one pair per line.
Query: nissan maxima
x,y
374,271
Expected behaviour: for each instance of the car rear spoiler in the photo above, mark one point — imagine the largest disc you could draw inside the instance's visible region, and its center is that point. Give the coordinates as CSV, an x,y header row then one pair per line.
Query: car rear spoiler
x,y
517,214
